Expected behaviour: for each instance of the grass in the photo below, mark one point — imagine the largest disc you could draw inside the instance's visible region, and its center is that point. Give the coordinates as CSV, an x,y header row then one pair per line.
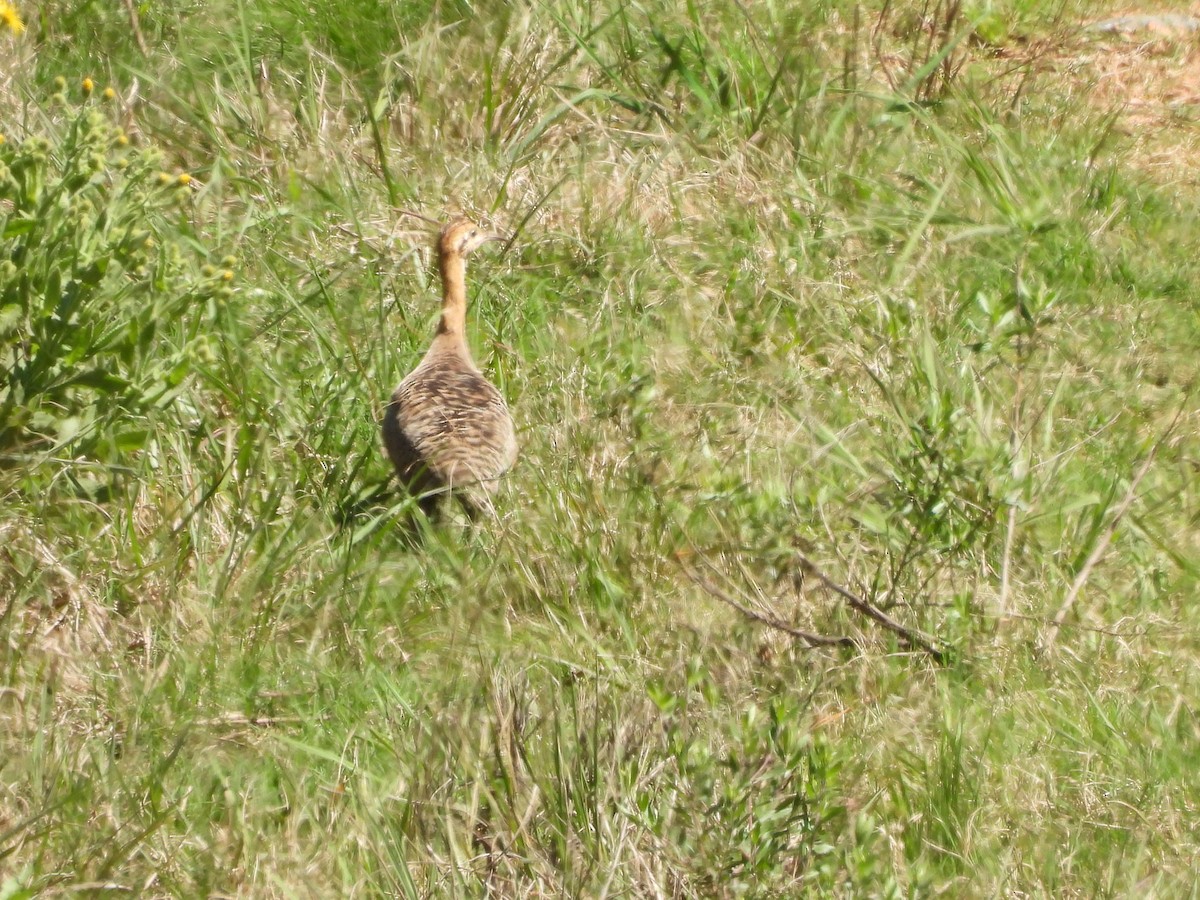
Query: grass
x,y
835,282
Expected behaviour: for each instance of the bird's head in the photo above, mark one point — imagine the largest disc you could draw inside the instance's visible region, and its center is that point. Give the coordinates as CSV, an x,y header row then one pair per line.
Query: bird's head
x,y
462,236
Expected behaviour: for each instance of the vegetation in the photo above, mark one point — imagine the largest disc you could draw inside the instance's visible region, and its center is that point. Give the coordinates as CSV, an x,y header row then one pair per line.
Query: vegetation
x,y
874,295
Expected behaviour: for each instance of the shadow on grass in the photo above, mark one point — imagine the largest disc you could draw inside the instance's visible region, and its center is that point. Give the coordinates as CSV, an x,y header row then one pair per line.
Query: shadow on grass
x,y
378,502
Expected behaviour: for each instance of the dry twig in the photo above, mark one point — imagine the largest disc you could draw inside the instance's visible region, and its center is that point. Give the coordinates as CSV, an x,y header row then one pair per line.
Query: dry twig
x,y
136,27
911,637
813,640
241,720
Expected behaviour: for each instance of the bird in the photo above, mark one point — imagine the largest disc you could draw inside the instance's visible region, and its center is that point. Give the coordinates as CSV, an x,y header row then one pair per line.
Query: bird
x,y
447,429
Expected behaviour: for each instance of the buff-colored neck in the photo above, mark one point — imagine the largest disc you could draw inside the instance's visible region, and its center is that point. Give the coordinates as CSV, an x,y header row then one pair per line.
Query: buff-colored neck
x,y
452,328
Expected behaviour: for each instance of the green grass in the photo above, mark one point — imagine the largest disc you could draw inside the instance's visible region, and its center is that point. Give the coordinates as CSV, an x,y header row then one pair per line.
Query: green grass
x,y
784,286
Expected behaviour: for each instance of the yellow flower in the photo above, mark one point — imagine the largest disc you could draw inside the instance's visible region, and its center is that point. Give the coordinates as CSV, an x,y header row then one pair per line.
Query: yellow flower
x,y
109,93
10,18
88,84
185,178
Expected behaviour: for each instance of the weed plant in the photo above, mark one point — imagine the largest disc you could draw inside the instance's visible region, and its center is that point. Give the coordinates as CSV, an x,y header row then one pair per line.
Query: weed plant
x,y
102,316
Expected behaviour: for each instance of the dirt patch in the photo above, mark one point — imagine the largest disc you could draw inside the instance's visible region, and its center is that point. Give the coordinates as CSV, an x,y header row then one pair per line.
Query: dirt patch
x,y
1148,63
1143,63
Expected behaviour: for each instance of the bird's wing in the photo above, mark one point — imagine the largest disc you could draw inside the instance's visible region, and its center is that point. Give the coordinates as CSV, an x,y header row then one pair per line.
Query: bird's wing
x,y
458,424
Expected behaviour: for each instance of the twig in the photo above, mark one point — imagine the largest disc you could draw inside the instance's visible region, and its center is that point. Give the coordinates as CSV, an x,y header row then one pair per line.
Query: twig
x,y
1014,447
813,640
1093,629
1006,562
1106,538
81,887
417,215
914,639
238,720
136,28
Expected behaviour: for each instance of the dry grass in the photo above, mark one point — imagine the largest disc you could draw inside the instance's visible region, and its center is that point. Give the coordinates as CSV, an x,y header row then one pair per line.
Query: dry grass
x,y
1150,78
754,311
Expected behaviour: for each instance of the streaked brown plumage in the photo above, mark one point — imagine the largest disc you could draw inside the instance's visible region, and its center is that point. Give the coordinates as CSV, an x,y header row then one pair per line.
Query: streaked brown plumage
x,y
447,427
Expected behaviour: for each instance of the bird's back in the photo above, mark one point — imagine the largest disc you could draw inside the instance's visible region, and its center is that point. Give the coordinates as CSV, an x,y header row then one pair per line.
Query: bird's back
x,y
448,427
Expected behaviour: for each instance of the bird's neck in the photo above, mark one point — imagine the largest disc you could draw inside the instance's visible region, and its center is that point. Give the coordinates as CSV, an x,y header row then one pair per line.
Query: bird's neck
x,y
454,296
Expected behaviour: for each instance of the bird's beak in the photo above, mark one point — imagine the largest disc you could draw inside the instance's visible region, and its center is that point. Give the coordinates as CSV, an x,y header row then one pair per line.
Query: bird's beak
x,y
497,236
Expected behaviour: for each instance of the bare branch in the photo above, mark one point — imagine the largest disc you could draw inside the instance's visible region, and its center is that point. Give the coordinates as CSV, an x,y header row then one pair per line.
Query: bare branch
x,y
241,720
1014,447
813,640
912,638
136,27
417,215
1079,626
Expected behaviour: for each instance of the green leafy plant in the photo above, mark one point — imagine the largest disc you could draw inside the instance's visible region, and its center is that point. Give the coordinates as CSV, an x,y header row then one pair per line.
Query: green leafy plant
x,y
102,298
